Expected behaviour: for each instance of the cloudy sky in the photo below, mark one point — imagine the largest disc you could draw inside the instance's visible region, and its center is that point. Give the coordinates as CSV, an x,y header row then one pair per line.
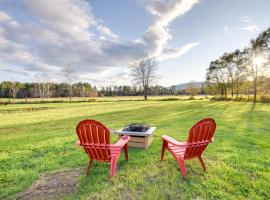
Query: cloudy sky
x,y
100,38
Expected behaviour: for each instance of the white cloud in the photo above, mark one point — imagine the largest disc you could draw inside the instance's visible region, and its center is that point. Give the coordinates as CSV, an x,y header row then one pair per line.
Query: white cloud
x,y
246,19
64,16
251,28
227,30
106,33
4,17
170,53
248,26
16,72
158,34
66,32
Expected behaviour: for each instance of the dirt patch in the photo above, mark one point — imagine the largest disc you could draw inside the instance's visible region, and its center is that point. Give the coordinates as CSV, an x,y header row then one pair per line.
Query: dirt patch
x,y
36,109
53,186
28,109
9,130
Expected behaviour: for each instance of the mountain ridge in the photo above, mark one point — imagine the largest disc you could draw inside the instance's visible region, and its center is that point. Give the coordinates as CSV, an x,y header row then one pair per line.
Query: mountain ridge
x,y
184,86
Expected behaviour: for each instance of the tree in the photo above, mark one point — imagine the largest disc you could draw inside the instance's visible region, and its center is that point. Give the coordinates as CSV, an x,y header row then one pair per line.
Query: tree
x,y
43,85
173,90
7,86
191,89
143,73
217,75
257,64
69,75
240,72
26,90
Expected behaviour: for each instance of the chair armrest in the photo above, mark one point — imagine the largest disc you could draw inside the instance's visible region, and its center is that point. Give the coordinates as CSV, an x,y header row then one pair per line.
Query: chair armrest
x,y
122,142
172,141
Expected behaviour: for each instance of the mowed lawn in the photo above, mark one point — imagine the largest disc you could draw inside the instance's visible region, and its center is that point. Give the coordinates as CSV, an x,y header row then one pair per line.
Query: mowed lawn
x,y
39,138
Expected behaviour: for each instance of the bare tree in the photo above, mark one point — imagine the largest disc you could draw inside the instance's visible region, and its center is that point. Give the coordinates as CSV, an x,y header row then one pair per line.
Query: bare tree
x,y
69,75
191,89
43,82
143,73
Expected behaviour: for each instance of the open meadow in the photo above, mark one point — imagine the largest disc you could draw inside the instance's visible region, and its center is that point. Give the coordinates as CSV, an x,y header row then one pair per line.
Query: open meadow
x,y
36,139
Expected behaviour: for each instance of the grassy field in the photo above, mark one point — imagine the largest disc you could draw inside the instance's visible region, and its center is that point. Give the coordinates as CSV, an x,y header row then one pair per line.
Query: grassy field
x,y
98,99
39,138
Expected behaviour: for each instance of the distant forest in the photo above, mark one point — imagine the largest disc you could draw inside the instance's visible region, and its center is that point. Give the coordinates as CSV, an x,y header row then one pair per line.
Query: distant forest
x,y
10,89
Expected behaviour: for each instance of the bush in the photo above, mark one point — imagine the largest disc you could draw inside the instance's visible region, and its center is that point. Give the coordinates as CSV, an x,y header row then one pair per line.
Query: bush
x,y
265,99
92,100
218,99
239,99
3,103
170,99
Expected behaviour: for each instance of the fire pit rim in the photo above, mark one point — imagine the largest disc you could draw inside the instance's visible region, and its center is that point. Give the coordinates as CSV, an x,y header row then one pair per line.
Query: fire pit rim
x,y
149,132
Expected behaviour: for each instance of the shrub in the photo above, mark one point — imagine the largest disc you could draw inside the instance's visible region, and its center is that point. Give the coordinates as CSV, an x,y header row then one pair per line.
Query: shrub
x,y
170,99
3,103
265,99
92,100
218,99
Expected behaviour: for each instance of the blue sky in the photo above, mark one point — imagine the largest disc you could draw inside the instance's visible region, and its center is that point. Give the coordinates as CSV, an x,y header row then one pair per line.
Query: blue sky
x,y
101,38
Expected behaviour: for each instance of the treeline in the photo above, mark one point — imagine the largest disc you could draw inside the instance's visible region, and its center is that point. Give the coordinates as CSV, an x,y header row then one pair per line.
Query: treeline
x,y
10,90
152,91
244,71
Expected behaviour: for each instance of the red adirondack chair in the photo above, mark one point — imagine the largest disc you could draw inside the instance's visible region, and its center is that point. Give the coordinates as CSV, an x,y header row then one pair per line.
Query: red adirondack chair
x,y
94,137
200,135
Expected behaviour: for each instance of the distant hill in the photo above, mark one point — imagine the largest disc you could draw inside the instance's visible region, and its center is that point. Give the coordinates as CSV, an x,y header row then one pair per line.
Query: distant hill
x,y
184,86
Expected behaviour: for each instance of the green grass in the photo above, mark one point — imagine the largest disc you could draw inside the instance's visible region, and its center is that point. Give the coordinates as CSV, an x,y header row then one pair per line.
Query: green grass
x,y
98,99
39,138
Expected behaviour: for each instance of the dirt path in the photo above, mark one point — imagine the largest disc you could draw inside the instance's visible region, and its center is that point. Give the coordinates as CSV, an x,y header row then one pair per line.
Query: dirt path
x,y
53,185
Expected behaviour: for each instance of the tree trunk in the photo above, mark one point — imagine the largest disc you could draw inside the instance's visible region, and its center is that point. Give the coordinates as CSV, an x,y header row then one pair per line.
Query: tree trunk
x,y
9,96
255,91
26,99
145,93
70,91
255,77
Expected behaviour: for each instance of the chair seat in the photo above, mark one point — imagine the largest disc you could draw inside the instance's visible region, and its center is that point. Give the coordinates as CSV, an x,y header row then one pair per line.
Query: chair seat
x,y
177,151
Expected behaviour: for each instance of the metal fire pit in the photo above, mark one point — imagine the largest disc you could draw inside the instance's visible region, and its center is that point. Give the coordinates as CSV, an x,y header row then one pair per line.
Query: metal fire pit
x,y
137,139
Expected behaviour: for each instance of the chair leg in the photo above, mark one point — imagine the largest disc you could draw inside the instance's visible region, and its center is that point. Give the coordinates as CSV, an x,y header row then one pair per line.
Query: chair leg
x,y
126,151
182,167
113,167
164,146
88,167
202,163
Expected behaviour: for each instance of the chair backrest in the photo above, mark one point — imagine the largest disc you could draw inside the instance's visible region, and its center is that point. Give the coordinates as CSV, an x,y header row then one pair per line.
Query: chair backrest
x,y
95,139
199,137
